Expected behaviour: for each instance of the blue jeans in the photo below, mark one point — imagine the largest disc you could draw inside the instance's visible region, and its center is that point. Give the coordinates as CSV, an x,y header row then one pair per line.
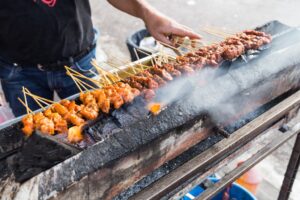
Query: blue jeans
x,y
41,83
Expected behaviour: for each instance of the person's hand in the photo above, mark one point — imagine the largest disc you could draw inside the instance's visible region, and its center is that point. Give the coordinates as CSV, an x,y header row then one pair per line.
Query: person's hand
x,y
163,28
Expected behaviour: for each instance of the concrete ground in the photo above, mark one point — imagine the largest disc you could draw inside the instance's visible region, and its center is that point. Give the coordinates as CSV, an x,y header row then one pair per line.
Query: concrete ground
x,y
230,15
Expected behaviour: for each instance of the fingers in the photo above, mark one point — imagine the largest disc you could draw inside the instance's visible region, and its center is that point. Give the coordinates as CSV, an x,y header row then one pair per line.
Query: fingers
x,y
162,38
184,31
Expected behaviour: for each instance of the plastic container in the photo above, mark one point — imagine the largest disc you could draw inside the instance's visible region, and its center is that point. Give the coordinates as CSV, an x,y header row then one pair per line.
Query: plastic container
x,y
250,180
235,192
134,40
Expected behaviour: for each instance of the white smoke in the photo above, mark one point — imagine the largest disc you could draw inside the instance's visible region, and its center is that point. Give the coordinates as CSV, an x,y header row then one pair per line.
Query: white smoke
x,y
220,96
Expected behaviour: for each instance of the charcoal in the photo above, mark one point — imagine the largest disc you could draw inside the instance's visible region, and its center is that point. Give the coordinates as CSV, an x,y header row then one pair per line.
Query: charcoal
x,y
36,155
123,118
137,108
11,138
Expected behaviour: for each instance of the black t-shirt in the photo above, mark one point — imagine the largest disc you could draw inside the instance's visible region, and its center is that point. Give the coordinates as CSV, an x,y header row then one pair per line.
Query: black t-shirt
x,y
44,31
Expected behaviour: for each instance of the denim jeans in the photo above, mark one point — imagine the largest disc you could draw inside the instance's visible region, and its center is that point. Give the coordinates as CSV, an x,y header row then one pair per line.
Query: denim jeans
x,y
41,83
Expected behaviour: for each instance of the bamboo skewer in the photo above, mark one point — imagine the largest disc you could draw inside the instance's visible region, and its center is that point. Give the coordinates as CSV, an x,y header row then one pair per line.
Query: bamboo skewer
x,y
126,63
126,72
113,76
38,99
84,83
148,54
26,106
34,98
43,100
77,74
102,72
177,51
216,33
79,88
25,99
137,55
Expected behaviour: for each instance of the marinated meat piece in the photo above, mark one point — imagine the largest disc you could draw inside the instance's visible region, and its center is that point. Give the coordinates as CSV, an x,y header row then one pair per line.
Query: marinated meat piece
x,y
159,80
162,73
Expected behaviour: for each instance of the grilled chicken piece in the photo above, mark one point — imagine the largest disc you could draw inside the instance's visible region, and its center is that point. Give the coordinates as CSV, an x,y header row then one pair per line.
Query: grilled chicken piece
x,y
28,124
161,72
184,68
60,109
149,94
134,84
145,81
75,134
170,68
90,111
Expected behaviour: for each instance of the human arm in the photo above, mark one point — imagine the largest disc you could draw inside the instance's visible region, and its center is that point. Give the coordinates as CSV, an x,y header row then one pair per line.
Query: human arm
x,y
160,26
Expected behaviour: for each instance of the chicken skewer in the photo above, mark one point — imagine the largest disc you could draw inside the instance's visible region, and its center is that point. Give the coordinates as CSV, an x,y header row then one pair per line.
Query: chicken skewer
x,y
59,116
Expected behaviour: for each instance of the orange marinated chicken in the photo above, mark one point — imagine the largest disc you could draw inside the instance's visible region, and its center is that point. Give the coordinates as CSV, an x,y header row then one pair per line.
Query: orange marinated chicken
x,y
60,124
60,109
90,111
74,119
87,98
28,125
75,134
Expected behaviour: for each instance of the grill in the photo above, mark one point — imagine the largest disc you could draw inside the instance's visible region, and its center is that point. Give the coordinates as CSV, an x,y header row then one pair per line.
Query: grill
x,y
129,149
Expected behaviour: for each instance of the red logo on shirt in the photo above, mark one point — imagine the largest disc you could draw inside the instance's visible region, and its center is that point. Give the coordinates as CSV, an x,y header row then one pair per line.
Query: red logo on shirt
x,y
50,3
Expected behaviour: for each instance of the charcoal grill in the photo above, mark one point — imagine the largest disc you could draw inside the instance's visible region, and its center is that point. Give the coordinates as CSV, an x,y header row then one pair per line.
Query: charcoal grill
x,y
128,150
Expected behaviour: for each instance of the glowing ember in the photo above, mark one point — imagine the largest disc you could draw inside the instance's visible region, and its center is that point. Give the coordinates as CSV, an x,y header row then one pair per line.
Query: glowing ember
x,y
155,108
75,134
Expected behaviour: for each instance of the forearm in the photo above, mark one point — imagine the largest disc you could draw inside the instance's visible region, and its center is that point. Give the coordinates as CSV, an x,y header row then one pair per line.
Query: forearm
x,y
159,26
137,8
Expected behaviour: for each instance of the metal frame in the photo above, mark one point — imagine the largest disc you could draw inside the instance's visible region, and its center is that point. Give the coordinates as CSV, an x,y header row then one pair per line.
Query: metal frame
x,y
197,169
291,171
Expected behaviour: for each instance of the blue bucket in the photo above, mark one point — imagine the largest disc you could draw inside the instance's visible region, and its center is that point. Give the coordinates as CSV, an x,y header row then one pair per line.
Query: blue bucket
x,y
236,192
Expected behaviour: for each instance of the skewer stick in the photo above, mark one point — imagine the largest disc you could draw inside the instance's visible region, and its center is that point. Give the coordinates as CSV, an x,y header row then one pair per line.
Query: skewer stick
x,y
69,74
217,30
186,46
126,72
26,106
25,98
112,76
39,98
79,82
177,51
34,98
217,33
126,63
42,107
101,71
148,54
137,55
211,33
84,83
77,74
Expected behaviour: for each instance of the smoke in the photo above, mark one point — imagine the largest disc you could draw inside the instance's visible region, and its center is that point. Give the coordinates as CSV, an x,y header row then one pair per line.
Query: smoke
x,y
226,93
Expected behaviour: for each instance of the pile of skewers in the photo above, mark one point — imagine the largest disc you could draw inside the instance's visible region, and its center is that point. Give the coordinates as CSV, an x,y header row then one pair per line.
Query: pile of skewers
x,y
111,92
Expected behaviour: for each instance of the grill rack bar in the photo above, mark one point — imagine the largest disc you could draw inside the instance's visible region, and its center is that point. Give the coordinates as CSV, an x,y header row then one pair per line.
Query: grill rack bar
x,y
248,164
